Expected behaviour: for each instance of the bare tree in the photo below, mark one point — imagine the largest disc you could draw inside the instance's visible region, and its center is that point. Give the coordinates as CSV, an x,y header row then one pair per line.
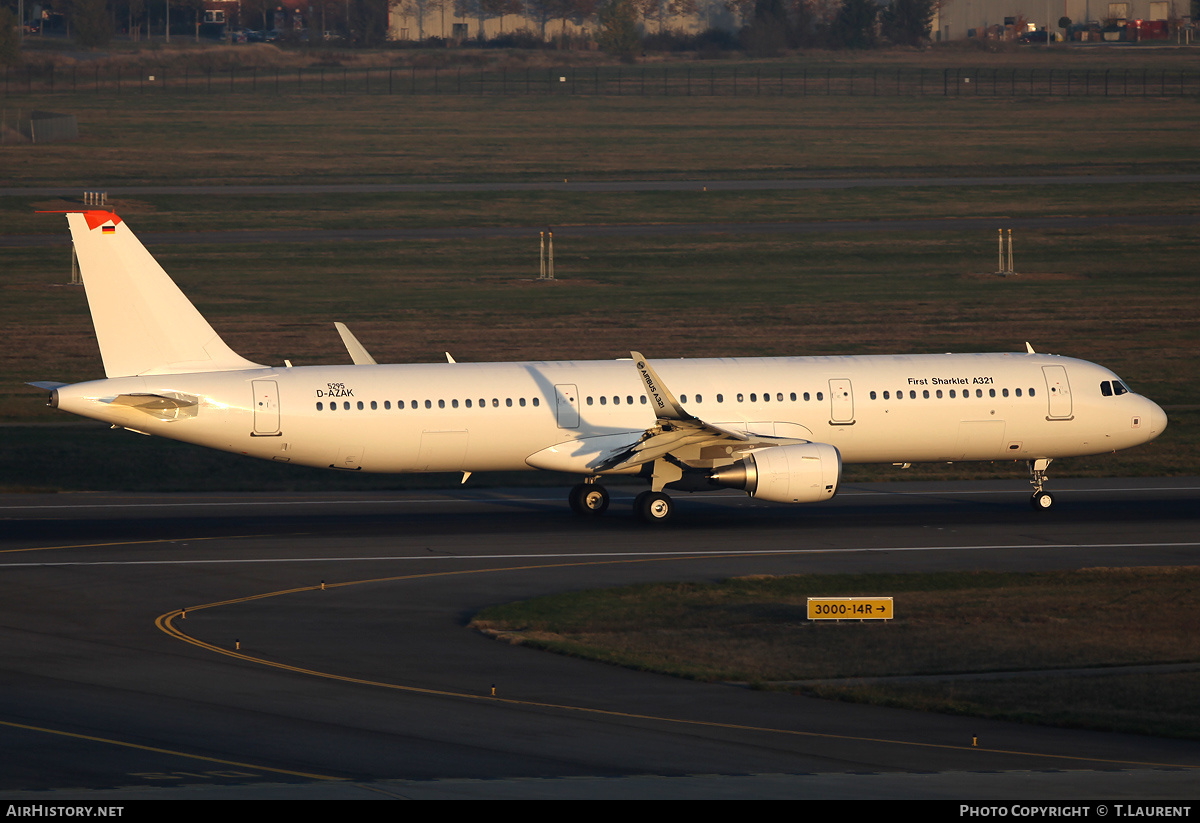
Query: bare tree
x,y
660,10
577,11
419,10
500,8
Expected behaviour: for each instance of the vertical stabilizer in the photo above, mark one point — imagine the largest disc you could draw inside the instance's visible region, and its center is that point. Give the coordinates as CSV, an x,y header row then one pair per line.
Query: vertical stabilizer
x,y
144,323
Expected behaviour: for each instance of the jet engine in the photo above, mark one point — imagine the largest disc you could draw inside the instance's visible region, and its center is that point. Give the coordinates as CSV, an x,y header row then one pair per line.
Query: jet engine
x,y
802,473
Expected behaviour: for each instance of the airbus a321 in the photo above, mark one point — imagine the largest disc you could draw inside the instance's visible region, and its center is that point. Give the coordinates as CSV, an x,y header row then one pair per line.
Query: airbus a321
x,y
778,428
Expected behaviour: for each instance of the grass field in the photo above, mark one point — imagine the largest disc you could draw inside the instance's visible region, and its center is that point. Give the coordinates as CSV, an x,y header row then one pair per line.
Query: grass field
x,y
948,624
141,140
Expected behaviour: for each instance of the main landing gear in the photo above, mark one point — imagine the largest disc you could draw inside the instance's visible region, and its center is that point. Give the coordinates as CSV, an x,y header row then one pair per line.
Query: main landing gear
x,y
653,507
1041,500
590,499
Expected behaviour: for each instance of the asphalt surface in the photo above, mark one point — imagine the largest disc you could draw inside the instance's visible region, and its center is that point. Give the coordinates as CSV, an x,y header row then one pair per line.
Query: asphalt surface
x,y
271,686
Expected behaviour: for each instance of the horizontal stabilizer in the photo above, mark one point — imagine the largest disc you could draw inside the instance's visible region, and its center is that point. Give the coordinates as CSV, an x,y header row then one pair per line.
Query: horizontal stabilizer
x,y
48,385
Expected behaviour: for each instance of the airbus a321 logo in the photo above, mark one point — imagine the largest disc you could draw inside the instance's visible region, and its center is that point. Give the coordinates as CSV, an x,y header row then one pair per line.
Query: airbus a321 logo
x,y
650,387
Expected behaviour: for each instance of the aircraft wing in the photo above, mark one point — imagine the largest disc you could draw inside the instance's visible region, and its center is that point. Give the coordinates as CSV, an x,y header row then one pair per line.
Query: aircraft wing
x,y
675,428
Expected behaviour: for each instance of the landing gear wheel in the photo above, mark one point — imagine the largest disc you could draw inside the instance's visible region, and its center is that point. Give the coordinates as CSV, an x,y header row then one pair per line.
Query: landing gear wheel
x,y
1041,500
654,507
588,499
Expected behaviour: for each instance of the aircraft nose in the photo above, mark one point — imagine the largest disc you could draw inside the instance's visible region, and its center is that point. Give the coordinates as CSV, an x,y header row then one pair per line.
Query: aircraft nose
x,y
1154,420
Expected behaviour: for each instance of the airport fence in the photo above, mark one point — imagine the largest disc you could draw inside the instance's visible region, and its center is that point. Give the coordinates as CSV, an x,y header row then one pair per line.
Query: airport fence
x,y
674,81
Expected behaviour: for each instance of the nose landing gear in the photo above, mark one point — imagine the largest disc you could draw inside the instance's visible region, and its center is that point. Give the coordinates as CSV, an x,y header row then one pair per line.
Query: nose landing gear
x,y
1041,500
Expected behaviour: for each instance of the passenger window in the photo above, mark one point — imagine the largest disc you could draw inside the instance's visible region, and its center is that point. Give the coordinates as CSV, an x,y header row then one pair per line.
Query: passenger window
x,y
739,397
536,402
720,398
1032,392
495,402
806,397
387,404
886,396
629,399
429,404
441,404
939,394
793,397
468,402
1004,392
522,402
753,397
374,406
952,394
979,392
603,400
1018,392
360,405
872,395
682,398
320,406
912,394
508,402
346,405
820,395
699,399
454,403
925,394
991,392
589,400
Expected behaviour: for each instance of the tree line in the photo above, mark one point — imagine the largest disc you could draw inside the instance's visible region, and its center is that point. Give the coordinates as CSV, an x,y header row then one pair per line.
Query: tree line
x,y
621,27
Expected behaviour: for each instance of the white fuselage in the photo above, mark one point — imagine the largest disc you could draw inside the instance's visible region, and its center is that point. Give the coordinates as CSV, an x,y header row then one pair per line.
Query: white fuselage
x,y
560,415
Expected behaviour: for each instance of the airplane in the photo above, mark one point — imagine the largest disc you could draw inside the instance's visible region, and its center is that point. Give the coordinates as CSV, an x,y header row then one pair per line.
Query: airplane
x,y
778,428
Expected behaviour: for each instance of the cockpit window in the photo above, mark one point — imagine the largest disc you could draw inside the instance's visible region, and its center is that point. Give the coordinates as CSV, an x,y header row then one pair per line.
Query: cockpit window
x,y
1106,388
1113,388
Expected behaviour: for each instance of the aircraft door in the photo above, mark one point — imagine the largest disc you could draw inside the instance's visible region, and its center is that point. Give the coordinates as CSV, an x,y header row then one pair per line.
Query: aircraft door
x,y
841,399
567,405
1059,392
266,408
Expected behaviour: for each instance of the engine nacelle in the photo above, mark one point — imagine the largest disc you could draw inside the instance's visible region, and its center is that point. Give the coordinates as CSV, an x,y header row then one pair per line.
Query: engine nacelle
x,y
803,473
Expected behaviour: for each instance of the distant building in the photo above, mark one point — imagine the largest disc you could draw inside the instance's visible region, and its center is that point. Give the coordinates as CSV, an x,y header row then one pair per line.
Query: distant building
x,y
954,19
422,19
958,19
